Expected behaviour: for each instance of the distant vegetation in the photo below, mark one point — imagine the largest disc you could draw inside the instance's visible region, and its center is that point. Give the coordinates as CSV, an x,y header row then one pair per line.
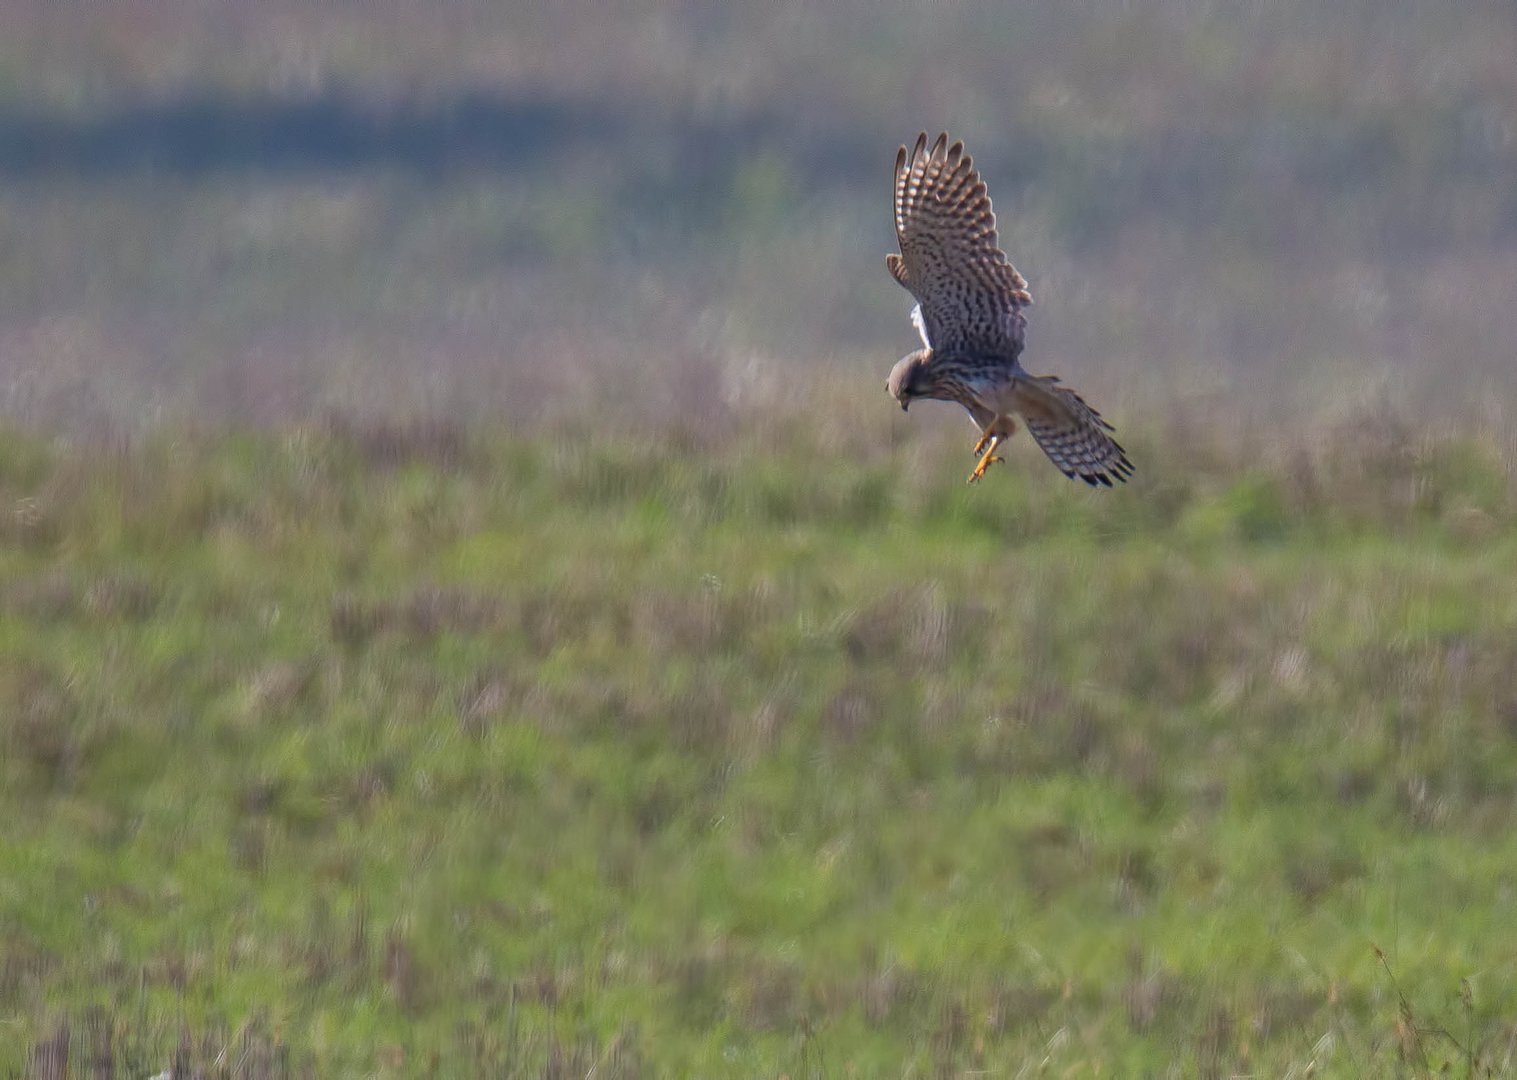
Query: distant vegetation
x,y
479,209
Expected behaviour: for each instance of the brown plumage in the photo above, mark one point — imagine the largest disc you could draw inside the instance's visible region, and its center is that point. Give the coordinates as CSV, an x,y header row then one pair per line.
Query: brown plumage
x,y
969,313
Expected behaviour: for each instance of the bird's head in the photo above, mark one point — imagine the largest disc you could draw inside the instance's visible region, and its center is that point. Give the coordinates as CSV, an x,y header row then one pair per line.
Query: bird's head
x,y
909,378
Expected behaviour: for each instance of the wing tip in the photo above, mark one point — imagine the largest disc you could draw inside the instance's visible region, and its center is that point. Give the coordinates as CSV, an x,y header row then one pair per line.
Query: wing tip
x,y
1108,477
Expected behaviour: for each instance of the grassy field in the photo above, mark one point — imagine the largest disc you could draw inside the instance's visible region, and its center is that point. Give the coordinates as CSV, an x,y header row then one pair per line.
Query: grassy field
x,y
358,750
491,621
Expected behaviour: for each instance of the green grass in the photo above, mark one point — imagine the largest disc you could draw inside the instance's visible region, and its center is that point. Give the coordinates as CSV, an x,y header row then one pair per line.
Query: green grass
x,y
408,747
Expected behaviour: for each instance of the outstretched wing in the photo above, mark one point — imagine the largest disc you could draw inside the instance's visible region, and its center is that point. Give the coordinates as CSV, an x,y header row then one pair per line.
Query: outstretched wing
x,y
1071,433
970,294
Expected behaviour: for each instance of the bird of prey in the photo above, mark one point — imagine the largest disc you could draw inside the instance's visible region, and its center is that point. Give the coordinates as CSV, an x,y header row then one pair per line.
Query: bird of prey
x,y
969,314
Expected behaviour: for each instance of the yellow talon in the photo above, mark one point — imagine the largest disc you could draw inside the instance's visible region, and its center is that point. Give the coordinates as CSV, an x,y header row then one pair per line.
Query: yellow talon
x,y
988,460
979,447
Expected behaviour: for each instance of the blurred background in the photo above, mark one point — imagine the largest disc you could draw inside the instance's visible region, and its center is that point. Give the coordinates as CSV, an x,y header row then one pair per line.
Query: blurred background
x,y
469,607
259,213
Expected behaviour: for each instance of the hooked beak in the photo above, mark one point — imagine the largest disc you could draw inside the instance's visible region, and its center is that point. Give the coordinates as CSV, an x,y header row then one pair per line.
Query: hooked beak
x,y
905,405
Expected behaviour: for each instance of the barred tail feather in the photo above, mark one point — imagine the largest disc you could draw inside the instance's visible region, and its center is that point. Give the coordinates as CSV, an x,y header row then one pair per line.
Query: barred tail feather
x,y
1074,435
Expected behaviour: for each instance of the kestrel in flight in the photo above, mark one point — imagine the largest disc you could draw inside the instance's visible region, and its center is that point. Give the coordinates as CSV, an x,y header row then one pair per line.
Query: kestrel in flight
x,y
969,313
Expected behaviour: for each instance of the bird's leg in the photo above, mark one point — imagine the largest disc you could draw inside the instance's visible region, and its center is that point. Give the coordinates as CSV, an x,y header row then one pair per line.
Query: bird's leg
x,y
992,426
988,460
